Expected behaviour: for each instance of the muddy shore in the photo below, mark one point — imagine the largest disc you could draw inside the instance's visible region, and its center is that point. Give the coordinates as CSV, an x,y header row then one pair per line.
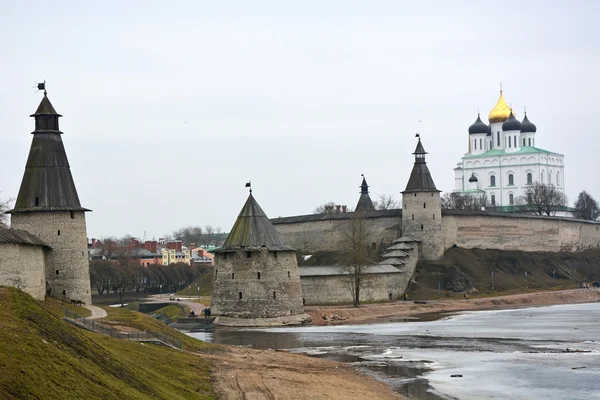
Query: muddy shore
x,y
428,310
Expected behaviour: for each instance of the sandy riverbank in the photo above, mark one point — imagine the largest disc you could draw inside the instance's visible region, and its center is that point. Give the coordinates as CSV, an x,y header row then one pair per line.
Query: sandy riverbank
x,y
387,312
242,373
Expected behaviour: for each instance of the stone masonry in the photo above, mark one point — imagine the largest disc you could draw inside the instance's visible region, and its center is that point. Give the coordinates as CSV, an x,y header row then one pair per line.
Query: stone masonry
x,y
23,266
67,265
256,284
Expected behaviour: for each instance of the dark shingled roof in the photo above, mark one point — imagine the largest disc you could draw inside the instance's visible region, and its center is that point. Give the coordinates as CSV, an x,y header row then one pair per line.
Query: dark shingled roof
x,y
364,202
420,178
334,216
47,183
527,126
253,230
18,236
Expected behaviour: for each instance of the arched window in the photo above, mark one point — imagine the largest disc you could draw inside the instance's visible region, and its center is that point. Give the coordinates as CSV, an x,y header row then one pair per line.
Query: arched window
x,y
529,178
475,143
511,179
480,144
498,140
529,141
493,200
515,141
523,142
493,180
557,178
509,141
542,177
511,199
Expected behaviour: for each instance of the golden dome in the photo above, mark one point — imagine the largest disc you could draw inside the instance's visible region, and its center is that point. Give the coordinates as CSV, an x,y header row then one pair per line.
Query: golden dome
x,y
500,112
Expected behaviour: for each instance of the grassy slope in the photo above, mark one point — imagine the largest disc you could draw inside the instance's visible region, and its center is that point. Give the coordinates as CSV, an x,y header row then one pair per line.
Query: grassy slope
x,y
205,283
43,357
143,322
509,271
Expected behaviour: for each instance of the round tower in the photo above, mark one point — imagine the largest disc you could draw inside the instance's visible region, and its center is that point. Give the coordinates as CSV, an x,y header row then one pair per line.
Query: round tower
x,y
512,132
528,130
422,209
478,133
256,275
48,207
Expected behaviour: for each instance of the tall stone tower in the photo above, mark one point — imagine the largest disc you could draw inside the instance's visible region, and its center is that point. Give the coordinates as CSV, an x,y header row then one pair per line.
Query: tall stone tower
x,y
422,209
48,207
256,275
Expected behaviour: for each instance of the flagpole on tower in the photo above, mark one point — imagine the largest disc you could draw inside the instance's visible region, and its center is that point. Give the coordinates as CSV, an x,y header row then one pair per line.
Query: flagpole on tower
x,y
249,185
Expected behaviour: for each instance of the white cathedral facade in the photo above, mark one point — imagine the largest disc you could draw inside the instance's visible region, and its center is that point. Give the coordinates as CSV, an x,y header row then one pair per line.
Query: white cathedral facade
x,y
503,159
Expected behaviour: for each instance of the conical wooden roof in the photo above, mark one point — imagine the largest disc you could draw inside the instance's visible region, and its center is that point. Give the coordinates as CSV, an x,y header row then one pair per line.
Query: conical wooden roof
x,y
47,183
253,230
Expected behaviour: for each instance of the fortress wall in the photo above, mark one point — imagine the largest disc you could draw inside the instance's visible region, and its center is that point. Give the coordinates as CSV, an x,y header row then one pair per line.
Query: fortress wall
x,y
328,235
336,289
23,266
514,233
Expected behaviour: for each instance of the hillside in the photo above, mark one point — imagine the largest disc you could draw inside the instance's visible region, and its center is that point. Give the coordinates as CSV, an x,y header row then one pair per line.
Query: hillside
x,y
44,357
470,270
205,283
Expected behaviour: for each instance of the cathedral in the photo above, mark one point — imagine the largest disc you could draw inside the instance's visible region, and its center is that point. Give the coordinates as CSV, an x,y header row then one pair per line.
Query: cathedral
x,y
503,159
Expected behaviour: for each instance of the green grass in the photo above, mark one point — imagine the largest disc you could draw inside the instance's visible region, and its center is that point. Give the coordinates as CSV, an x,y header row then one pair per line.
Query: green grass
x,y
44,357
143,322
205,283
171,313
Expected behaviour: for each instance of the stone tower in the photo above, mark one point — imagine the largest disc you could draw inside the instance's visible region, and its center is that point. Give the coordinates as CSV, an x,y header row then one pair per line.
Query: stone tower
x,y
48,207
365,203
256,275
422,209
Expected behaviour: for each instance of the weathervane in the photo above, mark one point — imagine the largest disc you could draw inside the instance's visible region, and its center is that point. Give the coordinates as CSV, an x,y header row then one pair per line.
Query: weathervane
x,y
41,86
249,185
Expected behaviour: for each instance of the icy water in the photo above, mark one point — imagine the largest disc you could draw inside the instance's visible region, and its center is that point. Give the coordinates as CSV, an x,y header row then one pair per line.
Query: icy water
x,y
534,353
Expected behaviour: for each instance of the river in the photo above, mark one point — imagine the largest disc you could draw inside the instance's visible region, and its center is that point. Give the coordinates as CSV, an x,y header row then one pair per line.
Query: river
x,y
530,353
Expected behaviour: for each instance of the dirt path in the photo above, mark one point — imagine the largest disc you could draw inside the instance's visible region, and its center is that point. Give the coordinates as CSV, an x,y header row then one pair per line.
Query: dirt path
x,y
97,312
374,313
265,375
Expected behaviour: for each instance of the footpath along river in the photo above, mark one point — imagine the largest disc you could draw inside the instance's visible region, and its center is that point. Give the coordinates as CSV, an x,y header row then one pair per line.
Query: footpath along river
x,y
531,353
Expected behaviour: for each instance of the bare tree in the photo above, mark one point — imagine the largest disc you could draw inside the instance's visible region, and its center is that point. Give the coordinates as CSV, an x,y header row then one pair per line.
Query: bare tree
x,y
587,207
464,201
209,233
543,199
189,234
325,208
357,253
386,202
4,207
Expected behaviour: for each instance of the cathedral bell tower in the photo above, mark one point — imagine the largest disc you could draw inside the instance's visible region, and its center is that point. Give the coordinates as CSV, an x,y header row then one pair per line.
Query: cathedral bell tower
x,y
422,209
48,207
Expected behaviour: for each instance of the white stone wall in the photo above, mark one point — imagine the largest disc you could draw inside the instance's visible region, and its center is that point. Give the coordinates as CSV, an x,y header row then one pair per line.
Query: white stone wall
x,y
544,168
23,266
67,264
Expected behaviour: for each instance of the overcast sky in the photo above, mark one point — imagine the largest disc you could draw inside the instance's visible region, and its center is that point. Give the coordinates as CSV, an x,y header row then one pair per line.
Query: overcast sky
x,y
170,107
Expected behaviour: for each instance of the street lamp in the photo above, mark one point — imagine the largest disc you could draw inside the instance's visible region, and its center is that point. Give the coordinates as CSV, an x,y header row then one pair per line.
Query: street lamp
x,y
160,286
492,280
525,279
198,287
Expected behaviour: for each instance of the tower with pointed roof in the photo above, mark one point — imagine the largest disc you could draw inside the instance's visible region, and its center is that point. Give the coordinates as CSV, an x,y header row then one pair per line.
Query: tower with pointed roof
x,y
422,209
256,275
365,204
48,207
